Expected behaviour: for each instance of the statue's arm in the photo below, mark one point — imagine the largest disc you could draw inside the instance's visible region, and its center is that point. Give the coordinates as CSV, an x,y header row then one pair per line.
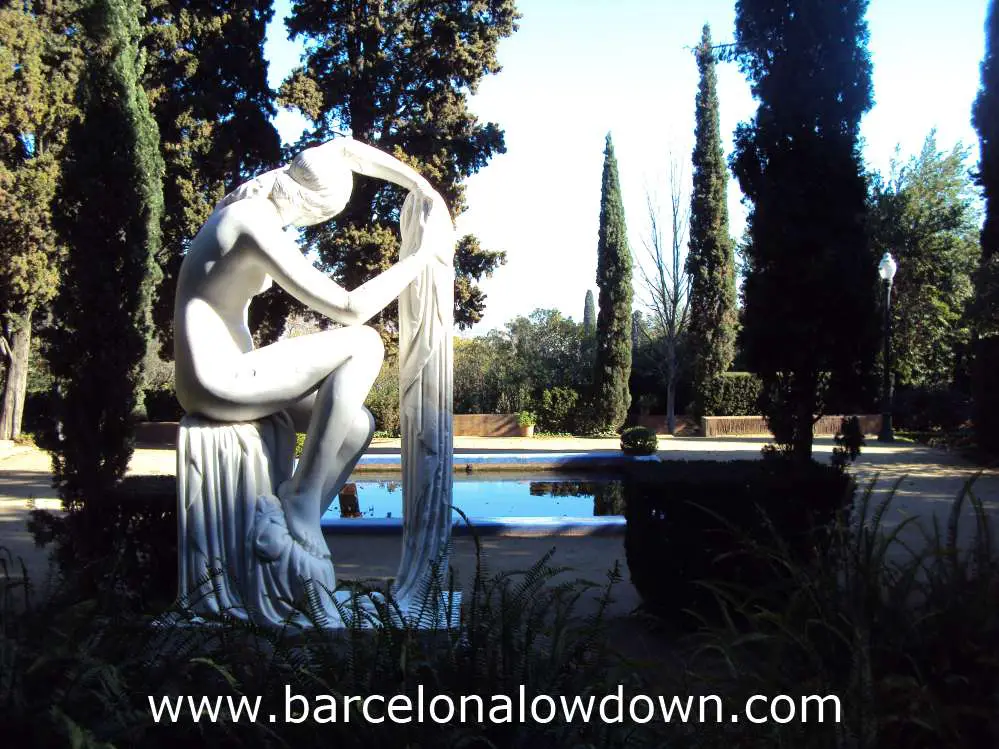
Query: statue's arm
x,y
371,162
282,260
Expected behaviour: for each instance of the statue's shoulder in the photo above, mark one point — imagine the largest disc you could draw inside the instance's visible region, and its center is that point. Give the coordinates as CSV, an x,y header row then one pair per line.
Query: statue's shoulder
x,y
250,215
243,210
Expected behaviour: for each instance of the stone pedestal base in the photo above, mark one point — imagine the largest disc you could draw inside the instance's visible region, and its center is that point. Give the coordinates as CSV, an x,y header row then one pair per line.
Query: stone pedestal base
x,y
445,614
236,555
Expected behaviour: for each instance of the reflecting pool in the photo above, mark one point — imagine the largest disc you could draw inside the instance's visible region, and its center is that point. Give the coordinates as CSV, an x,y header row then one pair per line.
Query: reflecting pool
x,y
496,495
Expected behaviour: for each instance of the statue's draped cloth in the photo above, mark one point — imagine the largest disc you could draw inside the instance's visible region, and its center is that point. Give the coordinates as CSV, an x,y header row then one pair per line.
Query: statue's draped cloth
x,y
426,319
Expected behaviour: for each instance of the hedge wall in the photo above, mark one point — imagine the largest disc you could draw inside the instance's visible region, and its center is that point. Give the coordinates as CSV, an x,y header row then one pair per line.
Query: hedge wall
x,y
681,516
733,394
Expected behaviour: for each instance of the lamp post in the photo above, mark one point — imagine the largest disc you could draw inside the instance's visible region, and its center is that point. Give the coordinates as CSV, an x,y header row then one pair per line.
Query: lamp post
x,y
886,271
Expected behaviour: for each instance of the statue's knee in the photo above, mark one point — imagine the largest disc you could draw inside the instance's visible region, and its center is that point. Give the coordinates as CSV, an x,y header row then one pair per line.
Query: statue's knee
x,y
371,342
362,429
366,422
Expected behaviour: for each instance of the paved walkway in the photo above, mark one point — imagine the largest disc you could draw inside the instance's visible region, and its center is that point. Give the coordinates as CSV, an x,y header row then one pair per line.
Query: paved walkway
x,y
933,478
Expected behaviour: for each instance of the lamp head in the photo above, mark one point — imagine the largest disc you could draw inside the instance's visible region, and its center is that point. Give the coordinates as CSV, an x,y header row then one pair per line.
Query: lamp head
x,y
887,267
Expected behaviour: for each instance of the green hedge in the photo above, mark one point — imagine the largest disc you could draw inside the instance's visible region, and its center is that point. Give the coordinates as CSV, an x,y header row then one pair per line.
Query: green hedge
x,y
557,410
681,516
930,409
733,394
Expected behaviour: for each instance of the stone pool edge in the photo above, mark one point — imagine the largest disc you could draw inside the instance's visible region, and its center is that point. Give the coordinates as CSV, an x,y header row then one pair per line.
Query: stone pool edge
x,y
524,527
469,462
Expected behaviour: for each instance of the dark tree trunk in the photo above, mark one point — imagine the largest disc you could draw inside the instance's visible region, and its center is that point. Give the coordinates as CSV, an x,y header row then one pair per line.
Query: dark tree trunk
x,y
18,333
671,367
804,397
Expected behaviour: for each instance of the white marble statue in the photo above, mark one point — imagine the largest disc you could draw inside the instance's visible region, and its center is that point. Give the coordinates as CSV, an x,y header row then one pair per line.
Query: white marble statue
x,y
242,510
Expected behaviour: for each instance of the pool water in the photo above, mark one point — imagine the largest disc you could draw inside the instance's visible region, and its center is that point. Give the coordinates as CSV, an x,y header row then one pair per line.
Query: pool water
x,y
484,496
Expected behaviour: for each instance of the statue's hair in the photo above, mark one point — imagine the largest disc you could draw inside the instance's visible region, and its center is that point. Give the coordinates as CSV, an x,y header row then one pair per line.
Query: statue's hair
x,y
311,187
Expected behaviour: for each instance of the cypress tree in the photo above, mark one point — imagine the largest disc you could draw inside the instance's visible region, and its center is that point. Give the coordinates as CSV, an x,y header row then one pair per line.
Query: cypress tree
x,y
810,292
612,370
711,254
985,373
111,200
589,314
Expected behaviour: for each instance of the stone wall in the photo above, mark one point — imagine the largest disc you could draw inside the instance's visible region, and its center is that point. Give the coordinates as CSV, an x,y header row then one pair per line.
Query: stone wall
x,y
156,434
486,425
685,425
733,426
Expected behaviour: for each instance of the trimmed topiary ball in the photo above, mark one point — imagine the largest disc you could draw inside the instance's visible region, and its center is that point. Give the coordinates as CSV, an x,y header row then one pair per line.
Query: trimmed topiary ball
x,y
639,441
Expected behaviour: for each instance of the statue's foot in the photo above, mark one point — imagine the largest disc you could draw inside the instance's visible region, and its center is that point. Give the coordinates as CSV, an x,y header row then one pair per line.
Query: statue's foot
x,y
306,532
294,577
273,533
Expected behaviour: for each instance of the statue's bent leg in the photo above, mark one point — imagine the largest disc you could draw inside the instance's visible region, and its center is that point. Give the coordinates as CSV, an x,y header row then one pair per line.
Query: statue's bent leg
x,y
276,377
335,438
355,444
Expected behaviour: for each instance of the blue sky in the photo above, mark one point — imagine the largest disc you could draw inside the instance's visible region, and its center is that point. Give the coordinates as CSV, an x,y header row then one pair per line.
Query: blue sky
x,y
577,69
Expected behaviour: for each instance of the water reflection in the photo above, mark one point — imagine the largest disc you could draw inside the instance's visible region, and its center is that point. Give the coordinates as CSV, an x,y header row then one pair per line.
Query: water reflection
x,y
487,496
608,499
608,495
349,506
563,488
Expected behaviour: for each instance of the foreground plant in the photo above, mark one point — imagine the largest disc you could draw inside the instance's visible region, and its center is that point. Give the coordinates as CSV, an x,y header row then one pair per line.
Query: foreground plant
x,y
905,636
83,673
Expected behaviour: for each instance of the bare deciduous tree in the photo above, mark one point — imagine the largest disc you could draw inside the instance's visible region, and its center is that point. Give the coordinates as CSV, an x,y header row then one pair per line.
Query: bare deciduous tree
x,y
666,283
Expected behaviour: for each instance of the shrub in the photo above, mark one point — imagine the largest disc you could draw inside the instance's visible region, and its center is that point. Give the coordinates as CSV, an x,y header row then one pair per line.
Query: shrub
x,y
646,402
689,522
383,400
849,439
526,419
733,394
639,441
558,409
930,409
986,390
162,405
38,412
130,536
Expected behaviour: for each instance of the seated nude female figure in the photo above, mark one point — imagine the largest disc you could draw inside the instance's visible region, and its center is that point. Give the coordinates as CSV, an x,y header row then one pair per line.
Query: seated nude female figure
x,y
320,380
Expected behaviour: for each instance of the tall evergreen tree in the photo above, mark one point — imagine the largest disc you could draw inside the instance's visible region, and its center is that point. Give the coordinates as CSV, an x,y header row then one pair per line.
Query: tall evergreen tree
x,y
711,251
986,306
397,76
589,314
926,213
811,287
612,370
39,66
111,201
206,80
